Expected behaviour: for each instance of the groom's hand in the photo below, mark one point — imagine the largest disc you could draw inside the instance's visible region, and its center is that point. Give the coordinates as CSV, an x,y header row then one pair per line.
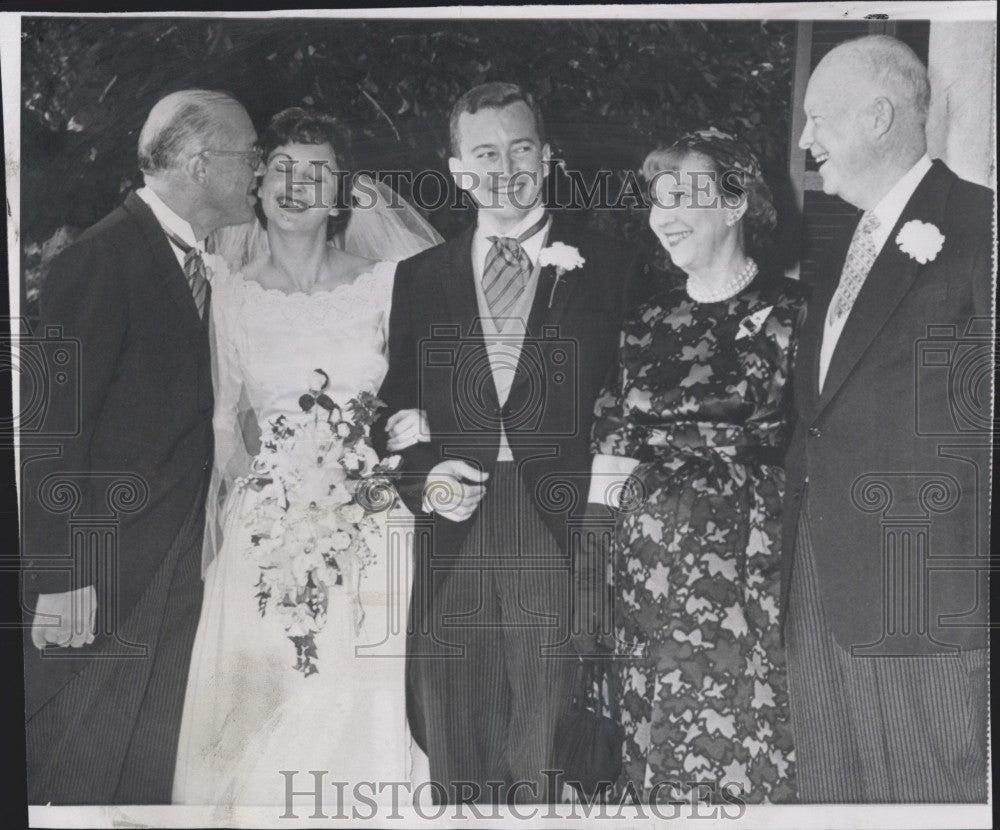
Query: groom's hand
x,y
454,489
75,613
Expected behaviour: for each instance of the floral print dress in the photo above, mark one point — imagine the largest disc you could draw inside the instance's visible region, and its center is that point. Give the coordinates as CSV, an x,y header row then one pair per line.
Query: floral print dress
x,y
701,399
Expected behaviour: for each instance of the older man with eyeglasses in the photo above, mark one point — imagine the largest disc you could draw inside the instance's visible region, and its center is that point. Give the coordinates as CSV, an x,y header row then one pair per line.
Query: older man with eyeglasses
x,y
113,613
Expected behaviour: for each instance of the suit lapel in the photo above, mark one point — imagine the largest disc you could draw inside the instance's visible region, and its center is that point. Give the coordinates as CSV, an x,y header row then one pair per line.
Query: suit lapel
x,y
547,309
165,265
892,274
458,286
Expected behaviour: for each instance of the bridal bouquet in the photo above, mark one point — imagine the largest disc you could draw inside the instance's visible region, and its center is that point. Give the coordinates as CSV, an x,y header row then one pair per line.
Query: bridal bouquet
x,y
320,484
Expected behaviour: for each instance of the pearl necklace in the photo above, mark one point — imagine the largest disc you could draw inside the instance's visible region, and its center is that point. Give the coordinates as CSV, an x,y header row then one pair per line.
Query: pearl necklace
x,y
697,292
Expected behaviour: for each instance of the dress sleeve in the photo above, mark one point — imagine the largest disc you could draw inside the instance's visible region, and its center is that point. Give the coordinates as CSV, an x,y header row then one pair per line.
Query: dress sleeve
x,y
614,441
399,390
232,410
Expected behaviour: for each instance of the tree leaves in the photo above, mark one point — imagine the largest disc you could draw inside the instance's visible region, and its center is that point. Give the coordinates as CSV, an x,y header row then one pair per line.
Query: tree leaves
x,y
625,84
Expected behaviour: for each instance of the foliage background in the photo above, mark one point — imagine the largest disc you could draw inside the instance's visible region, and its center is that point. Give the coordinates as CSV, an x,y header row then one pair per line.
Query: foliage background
x,y
610,91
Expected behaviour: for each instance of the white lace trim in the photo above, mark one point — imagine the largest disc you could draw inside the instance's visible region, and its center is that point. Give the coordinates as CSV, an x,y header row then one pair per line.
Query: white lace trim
x,y
370,292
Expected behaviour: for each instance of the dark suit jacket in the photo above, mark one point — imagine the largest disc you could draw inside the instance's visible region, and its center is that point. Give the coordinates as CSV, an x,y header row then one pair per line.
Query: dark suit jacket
x,y
143,414
882,447
438,362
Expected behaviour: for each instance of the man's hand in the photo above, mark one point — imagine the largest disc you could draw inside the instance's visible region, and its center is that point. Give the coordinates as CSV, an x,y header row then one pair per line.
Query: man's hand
x,y
406,428
454,489
75,613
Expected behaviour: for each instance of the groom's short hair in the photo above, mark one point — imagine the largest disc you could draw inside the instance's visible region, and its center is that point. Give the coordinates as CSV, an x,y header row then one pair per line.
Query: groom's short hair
x,y
490,96
177,121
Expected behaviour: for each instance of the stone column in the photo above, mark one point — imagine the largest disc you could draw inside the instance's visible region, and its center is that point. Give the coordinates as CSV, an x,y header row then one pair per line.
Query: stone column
x,y
962,118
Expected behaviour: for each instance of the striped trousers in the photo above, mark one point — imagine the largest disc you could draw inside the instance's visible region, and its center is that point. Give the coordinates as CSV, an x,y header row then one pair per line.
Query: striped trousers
x,y
879,729
495,672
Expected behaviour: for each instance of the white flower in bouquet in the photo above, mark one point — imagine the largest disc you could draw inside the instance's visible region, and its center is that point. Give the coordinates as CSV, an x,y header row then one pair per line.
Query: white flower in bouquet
x,y
339,494
298,621
392,462
285,460
277,529
340,541
352,461
315,486
369,455
318,381
308,560
265,546
342,429
261,465
352,513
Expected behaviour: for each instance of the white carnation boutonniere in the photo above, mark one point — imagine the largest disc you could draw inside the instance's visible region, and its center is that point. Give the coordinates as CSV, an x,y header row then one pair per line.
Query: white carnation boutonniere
x,y
921,241
564,258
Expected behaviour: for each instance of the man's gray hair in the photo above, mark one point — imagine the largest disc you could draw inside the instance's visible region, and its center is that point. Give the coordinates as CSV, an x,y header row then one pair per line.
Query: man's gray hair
x,y
894,67
176,122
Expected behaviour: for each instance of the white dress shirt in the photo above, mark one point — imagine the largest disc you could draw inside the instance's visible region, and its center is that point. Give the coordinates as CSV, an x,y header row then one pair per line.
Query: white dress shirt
x,y
171,222
504,348
888,212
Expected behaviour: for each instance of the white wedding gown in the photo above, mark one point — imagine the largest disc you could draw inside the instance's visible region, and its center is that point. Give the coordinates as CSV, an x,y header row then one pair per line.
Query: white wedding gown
x,y
248,713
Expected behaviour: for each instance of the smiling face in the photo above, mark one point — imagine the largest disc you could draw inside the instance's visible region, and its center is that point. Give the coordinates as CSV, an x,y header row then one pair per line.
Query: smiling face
x,y
299,189
838,132
230,180
689,213
502,162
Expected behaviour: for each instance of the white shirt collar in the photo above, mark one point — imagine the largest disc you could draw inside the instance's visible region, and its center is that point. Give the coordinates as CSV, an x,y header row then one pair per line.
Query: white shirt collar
x,y
893,203
530,246
168,219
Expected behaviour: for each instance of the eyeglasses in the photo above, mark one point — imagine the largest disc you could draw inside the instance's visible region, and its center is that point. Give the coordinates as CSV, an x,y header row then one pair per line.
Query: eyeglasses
x,y
254,156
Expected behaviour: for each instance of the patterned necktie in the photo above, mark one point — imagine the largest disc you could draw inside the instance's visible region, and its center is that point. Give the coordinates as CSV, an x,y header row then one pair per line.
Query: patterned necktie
x,y
194,270
505,275
860,258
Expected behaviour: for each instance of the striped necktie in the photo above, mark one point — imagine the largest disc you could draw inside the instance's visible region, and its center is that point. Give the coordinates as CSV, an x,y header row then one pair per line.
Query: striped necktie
x,y
194,270
505,275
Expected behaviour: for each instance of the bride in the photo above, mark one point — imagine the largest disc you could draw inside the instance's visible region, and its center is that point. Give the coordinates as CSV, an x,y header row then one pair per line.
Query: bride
x,y
298,663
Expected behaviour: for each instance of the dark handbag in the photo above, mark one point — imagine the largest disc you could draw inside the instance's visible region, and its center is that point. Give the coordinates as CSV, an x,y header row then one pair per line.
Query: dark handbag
x,y
589,736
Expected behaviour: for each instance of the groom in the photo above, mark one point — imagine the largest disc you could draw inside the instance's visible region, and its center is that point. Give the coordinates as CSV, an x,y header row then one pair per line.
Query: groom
x,y
115,609
504,337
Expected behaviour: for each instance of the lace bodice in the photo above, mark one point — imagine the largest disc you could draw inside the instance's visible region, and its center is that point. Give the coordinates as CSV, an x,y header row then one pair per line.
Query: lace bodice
x,y
269,342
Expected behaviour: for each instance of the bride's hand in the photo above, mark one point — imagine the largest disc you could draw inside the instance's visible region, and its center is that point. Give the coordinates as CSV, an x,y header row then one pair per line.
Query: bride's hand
x,y
406,428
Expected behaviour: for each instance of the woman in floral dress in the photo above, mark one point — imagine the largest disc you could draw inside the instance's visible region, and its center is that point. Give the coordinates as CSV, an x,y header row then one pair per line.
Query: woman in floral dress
x,y
698,415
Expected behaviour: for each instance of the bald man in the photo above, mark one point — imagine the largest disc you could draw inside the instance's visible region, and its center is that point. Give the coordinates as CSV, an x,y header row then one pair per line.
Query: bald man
x,y
113,614
883,572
